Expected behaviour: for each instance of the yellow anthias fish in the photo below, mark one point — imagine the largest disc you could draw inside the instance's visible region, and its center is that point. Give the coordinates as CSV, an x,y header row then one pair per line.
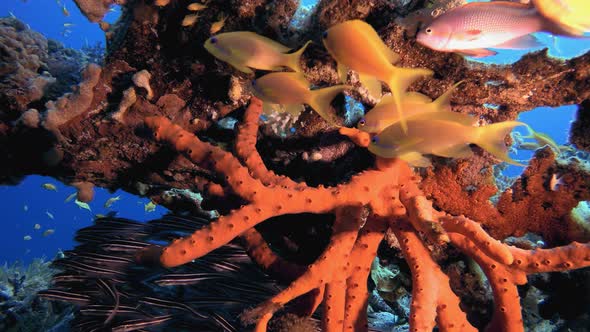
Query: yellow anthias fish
x,y
49,186
385,114
196,6
82,205
150,207
71,197
292,90
445,134
217,26
27,237
111,201
48,232
356,45
189,20
65,11
542,139
37,226
571,15
244,50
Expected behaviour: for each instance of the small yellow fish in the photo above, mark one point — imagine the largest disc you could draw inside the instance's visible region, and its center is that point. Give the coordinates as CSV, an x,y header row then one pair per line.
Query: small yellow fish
x,y
196,6
356,45
385,114
65,11
445,134
49,186
217,26
68,25
82,205
542,139
71,197
48,232
37,226
244,50
49,214
150,207
292,90
111,201
27,238
99,216
189,20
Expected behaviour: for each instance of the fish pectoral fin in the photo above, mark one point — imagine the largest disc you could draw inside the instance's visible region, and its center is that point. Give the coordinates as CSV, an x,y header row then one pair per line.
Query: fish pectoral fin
x,y
520,43
457,151
415,159
268,108
342,72
372,84
477,52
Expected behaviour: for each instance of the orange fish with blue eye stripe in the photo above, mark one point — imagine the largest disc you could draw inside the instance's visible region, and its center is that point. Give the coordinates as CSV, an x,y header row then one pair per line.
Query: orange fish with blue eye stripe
x,y
445,134
291,90
245,50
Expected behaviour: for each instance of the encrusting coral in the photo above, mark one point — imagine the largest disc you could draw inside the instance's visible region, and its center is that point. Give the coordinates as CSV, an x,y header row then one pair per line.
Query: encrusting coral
x,y
391,195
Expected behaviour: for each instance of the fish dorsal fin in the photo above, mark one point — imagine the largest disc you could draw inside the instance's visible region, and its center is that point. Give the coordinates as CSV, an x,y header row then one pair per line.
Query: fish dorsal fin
x,y
269,42
372,84
507,4
443,102
416,98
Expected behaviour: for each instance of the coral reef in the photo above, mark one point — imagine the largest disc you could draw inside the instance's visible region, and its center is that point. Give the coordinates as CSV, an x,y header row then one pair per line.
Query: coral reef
x,y
20,307
307,179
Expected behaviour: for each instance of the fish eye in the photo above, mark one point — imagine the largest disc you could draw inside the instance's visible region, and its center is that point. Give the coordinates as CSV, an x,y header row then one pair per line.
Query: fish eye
x,y
213,40
374,139
253,82
428,31
325,34
362,122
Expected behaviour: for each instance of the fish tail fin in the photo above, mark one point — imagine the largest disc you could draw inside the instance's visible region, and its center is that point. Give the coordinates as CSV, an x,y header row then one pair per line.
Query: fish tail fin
x,y
491,138
322,98
443,103
555,28
294,59
399,81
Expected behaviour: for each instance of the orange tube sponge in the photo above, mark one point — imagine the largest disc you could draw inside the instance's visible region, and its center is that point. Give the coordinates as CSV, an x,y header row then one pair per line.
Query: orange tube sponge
x,y
395,201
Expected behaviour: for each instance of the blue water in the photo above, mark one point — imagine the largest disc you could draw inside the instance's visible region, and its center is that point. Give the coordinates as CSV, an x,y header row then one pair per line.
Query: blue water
x,y
47,16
